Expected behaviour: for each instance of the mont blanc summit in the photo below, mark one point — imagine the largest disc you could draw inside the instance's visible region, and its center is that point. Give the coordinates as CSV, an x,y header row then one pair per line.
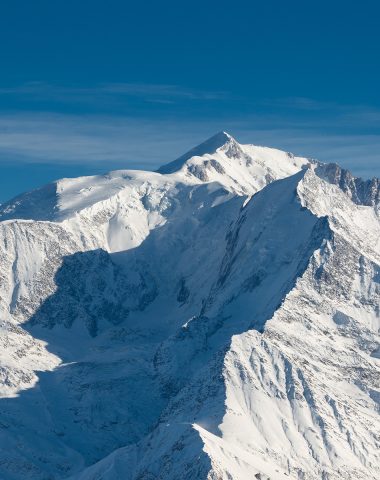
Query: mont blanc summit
x,y
216,319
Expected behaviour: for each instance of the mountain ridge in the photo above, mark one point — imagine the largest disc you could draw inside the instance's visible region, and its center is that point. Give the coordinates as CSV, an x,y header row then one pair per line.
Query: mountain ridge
x,y
217,322
228,169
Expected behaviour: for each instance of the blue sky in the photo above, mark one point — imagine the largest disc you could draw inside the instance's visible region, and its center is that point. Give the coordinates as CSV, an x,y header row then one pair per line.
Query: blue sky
x,y
89,86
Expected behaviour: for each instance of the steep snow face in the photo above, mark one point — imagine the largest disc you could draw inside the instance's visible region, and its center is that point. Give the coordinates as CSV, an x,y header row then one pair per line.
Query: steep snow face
x,y
312,378
300,399
217,319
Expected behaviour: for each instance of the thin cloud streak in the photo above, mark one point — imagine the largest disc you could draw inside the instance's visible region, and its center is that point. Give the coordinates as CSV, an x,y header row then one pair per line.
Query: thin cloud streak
x,y
311,113
101,92
85,139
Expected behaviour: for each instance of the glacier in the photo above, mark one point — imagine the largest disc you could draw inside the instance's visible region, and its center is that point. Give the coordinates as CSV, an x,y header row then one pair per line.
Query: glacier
x,y
215,319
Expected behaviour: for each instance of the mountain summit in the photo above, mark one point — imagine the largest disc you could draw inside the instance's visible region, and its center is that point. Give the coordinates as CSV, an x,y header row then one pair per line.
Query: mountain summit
x,y
241,169
209,146
244,169
217,319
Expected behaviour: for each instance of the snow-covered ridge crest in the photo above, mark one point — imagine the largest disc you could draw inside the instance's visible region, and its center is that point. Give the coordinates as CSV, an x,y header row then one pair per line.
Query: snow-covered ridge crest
x,y
210,146
241,169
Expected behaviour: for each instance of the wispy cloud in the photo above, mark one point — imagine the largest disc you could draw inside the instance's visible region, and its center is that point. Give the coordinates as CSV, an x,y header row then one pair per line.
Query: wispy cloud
x,y
299,103
111,141
109,92
308,112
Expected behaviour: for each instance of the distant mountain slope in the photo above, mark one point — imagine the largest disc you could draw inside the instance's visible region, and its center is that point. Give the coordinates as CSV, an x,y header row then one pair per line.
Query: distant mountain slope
x,y
217,319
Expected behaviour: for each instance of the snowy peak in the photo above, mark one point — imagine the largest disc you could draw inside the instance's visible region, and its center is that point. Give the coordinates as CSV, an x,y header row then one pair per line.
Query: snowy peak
x,y
210,146
241,169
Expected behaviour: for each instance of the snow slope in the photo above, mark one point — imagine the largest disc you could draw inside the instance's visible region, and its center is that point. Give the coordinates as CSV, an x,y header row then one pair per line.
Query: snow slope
x,y
216,319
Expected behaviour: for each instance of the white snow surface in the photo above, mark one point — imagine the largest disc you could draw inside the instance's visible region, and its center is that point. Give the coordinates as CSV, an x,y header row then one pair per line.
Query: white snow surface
x,y
216,319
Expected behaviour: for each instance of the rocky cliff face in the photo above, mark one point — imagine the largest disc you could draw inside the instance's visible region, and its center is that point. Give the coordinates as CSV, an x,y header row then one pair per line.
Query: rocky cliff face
x,y
218,319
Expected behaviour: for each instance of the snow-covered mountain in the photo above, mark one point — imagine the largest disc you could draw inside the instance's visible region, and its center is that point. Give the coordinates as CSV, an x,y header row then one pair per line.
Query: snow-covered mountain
x,y
216,319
